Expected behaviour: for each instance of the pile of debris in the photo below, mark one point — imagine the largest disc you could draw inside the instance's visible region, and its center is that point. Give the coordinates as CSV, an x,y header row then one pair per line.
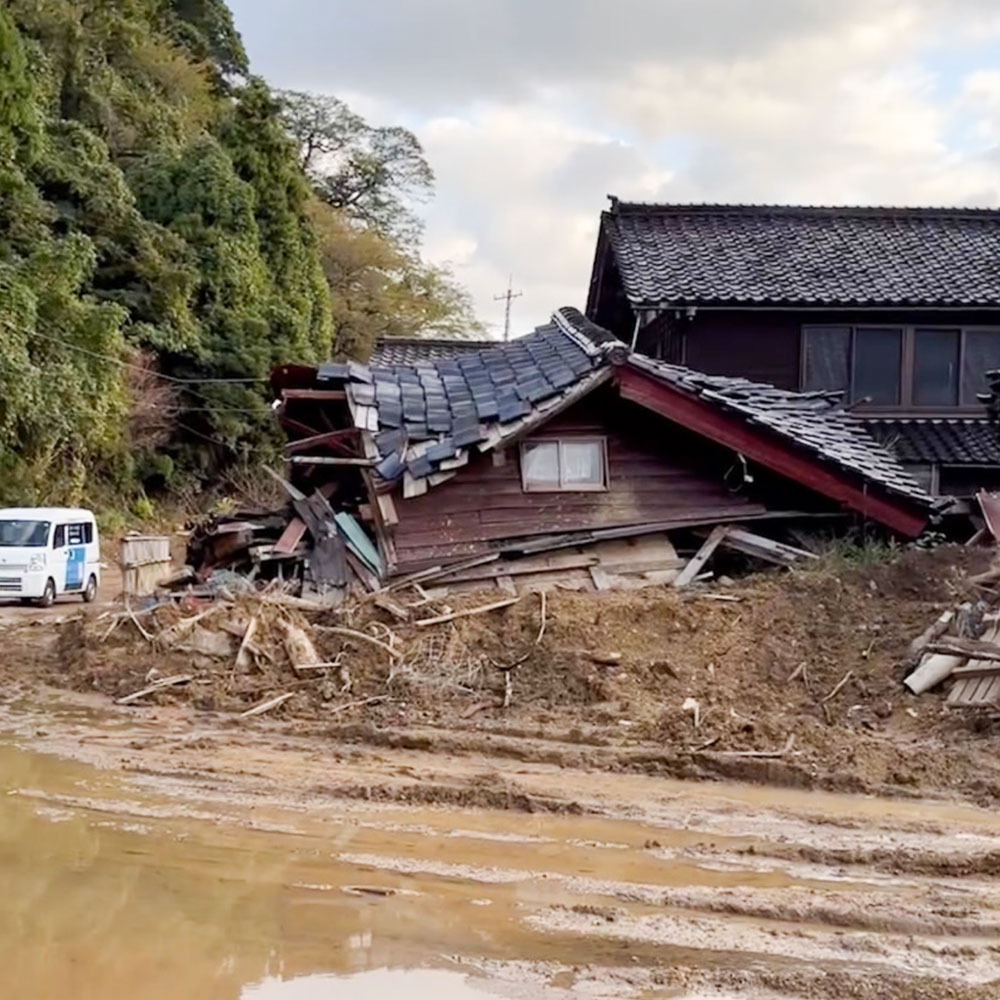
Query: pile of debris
x,y
256,651
319,552
326,556
963,646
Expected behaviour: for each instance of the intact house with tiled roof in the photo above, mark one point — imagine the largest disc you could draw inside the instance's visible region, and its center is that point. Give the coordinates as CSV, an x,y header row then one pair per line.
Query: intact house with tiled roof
x,y
896,309
564,438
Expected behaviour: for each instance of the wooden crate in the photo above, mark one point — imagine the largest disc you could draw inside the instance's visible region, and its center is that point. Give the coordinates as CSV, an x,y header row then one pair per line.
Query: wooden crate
x,y
145,559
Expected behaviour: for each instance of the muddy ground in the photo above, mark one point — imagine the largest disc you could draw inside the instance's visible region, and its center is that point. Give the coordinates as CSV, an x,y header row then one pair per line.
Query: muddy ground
x,y
604,686
548,845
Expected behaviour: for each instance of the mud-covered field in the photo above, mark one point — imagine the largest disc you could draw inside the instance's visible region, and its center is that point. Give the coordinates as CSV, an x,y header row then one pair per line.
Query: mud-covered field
x,y
269,857
609,683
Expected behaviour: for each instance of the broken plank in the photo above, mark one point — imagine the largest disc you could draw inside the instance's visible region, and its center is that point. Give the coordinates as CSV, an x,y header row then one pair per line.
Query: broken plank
x,y
330,460
468,612
159,685
977,649
243,655
290,537
692,569
932,632
600,579
765,548
350,633
324,394
299,646
267,706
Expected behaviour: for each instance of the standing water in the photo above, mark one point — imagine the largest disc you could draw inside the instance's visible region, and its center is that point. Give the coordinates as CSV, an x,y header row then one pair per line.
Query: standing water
x,y
117,886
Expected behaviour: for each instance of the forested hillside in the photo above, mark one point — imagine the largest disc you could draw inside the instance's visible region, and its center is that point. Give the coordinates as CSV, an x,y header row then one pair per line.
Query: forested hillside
x,y
168,233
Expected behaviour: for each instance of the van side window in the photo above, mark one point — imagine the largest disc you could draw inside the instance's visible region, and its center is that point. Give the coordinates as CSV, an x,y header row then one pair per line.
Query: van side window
x,y
88,533
76,533
59,538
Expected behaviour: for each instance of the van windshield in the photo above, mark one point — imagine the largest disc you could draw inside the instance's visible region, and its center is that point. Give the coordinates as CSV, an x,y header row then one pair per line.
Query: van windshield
x,y
24,534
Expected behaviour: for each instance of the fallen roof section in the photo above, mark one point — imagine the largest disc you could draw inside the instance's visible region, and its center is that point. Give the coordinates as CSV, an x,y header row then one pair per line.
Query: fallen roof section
x,y
420,423
805,437
753,255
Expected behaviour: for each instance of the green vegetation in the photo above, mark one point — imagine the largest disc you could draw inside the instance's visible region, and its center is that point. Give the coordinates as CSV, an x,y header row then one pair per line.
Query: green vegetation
x,y
164,241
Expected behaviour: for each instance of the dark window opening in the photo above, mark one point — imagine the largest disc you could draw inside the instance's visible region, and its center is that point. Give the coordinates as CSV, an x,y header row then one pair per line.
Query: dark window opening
x,y
935,367
878,355
900,366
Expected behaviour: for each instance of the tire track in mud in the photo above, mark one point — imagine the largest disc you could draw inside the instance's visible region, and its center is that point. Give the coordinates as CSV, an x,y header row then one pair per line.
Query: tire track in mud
x,y
721,891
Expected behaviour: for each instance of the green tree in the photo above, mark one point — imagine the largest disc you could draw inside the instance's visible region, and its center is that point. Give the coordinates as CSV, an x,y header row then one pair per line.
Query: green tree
x,y
371,173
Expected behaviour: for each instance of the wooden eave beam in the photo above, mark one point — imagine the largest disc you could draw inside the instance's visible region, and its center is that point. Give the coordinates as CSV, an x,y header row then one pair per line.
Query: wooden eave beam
x,y
322,394
722,428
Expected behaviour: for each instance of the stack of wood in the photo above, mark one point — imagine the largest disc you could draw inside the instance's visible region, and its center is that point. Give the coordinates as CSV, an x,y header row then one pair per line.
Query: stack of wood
x,y
962,646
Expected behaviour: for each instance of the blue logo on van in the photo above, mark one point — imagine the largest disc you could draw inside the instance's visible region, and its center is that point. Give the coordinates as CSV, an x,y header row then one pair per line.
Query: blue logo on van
x,y
76,561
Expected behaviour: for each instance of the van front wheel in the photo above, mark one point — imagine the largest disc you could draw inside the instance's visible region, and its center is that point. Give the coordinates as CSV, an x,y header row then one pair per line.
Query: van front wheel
x,y
90,593
48,597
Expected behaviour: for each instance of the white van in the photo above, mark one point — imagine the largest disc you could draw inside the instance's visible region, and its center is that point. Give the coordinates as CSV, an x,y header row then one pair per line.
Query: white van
x,y
48,551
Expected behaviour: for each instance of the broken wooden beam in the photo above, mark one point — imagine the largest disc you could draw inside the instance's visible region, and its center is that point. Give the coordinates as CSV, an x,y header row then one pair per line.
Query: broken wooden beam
x,y
468,612
350,633
267,706
765,548
693,568
159,685
971,649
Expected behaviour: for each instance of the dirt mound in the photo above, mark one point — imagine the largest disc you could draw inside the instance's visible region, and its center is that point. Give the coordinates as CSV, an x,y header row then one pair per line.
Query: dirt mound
x,y
664,681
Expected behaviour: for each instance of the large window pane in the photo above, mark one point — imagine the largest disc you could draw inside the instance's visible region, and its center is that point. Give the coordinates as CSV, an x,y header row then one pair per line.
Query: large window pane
x,y
877,361
935,367
981,355
826,358
582,463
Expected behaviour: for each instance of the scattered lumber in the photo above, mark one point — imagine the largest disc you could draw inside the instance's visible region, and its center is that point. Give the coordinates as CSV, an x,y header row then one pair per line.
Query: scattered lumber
x,y
932,632
377,699
968,648
468,612
765,548
387,604
245,650
350,633
267,706
159,685
300,648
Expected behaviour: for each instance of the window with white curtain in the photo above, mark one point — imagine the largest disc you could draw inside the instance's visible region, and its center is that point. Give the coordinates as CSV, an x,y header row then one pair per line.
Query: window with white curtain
x,y
564,465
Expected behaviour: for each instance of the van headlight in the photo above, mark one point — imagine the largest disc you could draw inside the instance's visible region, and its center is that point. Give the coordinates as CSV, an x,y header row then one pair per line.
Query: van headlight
x,y
36,563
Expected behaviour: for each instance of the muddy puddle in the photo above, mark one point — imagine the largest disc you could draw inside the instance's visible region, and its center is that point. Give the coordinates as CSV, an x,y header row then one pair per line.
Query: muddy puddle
x,y
209,864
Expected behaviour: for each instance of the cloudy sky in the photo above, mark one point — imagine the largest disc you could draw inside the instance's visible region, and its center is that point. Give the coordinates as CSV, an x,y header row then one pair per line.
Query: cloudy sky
x,y
532,111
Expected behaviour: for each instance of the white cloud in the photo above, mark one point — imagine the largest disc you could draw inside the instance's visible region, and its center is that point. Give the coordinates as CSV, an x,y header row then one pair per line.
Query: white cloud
x,y
532,112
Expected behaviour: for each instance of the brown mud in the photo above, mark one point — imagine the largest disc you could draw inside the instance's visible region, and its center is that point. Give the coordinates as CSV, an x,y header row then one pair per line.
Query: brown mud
x,y
661,651
555,848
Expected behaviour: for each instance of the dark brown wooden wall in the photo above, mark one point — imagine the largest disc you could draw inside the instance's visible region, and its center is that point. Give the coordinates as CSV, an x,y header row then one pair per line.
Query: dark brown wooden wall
x,y
765,345
656,472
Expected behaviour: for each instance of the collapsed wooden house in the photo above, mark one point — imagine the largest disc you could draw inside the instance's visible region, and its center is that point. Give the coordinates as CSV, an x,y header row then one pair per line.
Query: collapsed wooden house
x,y
563,452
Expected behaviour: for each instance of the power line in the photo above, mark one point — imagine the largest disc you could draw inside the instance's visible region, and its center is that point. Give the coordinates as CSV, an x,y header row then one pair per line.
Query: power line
x,y
509,297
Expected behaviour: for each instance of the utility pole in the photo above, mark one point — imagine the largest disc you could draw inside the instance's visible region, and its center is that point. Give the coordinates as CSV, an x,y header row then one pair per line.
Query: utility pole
x,y
509,297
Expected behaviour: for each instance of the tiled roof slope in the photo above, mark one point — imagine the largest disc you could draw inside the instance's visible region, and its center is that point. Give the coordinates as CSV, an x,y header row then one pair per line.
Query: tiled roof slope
x,y
425,420
813,422
417,350
944,441
756,255
425,417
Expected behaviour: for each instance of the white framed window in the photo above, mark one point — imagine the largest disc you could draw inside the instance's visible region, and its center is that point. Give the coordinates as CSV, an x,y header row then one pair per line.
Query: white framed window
x,y
564,465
